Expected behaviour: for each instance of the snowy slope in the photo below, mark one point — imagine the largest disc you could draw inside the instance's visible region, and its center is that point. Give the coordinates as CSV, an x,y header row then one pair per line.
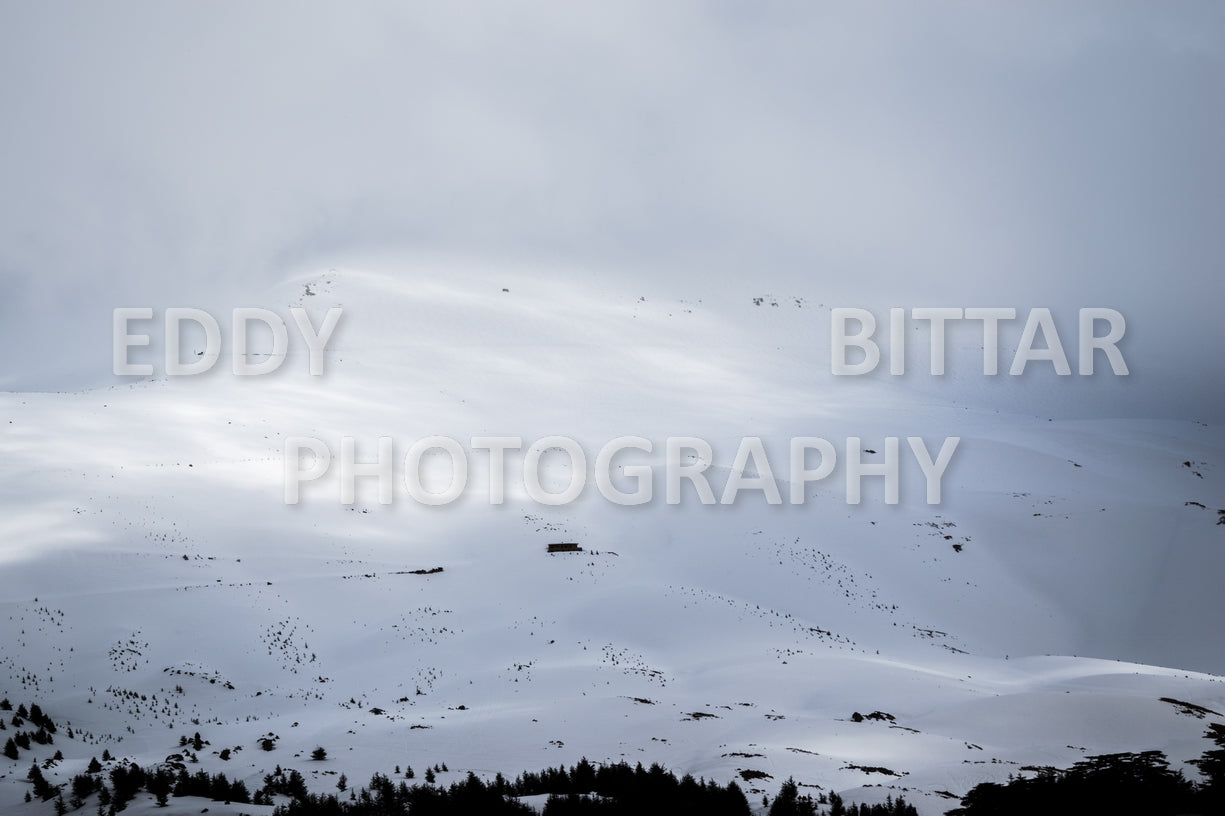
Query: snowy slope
x,y
155,584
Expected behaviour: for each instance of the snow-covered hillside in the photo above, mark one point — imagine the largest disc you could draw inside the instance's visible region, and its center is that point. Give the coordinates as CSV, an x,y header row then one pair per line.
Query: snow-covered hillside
x,y
154,584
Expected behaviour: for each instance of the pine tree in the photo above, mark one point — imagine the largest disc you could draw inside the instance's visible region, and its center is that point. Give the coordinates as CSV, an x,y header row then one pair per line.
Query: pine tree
x,y
319,754
42,788
788,802
82,786
784,800
10,749
296,786
1212,766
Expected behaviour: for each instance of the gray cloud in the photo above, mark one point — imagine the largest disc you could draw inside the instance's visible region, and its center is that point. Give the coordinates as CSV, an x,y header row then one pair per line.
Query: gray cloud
x,y
951,155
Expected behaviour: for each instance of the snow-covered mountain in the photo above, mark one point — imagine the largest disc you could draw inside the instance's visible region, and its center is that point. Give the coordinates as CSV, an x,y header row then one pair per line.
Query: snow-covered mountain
x,y
1061,601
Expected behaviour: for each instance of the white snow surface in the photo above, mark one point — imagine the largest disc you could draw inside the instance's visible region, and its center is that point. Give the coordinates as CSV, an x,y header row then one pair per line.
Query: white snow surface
x,y
154,584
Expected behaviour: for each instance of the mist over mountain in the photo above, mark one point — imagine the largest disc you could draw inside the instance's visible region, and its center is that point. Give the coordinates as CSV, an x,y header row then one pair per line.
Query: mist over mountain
x,y
920,157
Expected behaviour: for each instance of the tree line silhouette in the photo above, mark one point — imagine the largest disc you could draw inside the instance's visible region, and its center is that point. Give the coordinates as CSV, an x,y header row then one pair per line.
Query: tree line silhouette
x,y
1124,784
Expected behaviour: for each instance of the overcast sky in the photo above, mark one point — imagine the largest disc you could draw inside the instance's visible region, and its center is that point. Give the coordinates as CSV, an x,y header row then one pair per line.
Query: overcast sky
x,y
1036,154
